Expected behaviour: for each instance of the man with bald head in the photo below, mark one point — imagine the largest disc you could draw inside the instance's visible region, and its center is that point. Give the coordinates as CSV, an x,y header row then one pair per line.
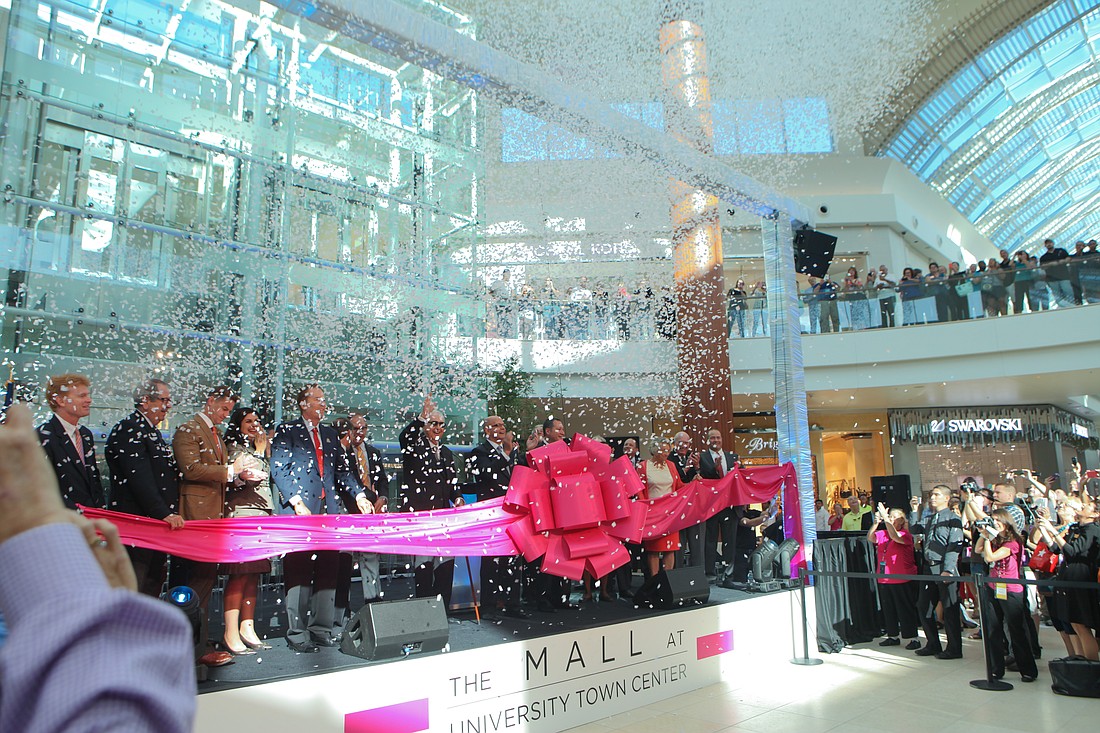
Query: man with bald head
x,y
431,482
489,469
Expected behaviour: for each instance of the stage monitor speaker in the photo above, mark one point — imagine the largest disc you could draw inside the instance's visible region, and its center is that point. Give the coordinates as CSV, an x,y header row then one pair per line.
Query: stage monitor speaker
x,y
893,491
682,587
384,630
813,252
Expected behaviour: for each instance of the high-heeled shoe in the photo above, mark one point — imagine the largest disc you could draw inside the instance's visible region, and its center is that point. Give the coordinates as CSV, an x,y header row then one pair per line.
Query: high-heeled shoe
x,y
255,644
237,652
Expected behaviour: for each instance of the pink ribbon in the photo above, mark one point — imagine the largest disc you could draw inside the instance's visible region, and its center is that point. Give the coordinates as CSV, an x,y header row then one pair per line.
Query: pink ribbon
x,y
477,529
573,507
578,510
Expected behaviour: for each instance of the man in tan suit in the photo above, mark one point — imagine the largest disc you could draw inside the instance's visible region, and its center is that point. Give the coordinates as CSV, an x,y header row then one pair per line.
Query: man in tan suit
x,y
202,458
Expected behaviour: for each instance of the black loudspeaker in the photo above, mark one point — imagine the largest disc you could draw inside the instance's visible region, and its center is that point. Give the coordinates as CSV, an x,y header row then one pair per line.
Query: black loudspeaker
x,y
396,629
893,491
1076,677
682,587
813,252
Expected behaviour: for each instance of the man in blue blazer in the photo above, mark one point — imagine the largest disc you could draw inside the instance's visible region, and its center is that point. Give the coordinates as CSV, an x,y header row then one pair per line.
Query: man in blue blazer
x,y
68,444
309,469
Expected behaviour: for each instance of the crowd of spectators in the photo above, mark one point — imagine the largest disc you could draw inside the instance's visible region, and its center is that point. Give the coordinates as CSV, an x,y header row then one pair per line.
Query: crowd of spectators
x,y
1021,283
584,309
1010,284
1018,528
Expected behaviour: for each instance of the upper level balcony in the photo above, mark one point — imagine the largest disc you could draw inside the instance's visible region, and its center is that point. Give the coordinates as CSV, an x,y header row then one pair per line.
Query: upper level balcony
x,y
979,341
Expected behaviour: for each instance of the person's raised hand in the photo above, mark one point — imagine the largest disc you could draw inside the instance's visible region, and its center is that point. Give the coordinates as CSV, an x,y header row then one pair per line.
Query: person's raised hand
x,y
29,496
107,549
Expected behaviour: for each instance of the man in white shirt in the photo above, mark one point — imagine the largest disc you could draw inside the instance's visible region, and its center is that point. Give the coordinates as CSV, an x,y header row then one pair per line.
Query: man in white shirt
x,y
821,516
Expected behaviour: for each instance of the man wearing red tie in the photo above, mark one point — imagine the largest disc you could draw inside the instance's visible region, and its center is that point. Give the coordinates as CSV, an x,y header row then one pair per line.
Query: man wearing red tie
x,y
69,444
202,460
715,463
309,470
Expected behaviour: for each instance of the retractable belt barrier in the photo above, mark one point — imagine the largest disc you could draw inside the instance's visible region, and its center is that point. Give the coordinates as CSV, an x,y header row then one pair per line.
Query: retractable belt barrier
x,y
990,683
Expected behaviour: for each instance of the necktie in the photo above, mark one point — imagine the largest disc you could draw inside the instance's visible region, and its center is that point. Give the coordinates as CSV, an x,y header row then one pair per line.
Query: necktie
x,y
78,443
364,467
720,464
217,443
320,456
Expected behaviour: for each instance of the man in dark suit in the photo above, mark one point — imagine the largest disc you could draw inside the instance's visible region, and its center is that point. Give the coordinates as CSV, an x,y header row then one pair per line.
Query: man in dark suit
x,y
489,469
203,460
431,482
309,470
68,444
144,476
550,592
715,463
686,460
365,464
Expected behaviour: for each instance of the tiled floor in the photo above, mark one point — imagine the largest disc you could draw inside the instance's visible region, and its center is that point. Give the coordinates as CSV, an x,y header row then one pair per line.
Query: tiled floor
x,y
866,688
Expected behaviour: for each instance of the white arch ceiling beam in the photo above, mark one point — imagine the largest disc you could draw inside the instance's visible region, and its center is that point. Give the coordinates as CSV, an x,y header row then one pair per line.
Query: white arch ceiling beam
x,y
410,36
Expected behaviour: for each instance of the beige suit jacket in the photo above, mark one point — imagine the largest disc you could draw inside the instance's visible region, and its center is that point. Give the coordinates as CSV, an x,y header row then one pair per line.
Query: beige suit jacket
x,y
202,490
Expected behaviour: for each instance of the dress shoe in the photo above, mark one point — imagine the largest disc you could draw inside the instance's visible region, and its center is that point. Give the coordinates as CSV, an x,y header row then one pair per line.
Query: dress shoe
x,y
1027,678
928,651
256,644
997,674
324,640
949,655
890,641
514,612
216,659
914,644
304,647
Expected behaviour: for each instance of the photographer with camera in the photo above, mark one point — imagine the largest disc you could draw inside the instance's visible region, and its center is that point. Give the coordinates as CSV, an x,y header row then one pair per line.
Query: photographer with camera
x,y
943,543
1080,551
1002,546
1024,517
894,549
1042,539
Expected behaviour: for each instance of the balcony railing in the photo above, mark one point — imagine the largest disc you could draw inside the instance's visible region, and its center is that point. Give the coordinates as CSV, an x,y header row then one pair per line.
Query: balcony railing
x,y
966,296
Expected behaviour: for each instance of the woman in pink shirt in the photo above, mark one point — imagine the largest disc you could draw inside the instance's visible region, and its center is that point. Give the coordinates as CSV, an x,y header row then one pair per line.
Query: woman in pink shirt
x,y
898,598
1002,546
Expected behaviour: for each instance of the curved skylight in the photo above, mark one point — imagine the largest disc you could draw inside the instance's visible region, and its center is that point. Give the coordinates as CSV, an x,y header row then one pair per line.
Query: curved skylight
x,y
1012,140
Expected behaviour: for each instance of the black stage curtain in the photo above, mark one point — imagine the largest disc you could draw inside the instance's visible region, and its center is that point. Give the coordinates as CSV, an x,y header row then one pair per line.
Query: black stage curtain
x,y
847,608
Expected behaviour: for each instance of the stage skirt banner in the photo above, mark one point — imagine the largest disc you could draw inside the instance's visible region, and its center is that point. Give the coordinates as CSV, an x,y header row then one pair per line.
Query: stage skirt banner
x,y
574,507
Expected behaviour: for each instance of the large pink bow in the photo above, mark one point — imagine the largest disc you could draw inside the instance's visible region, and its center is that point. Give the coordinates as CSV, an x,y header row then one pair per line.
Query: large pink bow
x,y
576,508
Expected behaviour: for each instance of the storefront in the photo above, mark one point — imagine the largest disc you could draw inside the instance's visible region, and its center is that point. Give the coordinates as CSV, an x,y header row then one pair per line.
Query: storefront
x,y
951,444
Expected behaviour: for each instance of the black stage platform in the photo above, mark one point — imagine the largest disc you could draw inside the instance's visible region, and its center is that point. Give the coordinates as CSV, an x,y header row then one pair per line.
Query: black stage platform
x,y
280,662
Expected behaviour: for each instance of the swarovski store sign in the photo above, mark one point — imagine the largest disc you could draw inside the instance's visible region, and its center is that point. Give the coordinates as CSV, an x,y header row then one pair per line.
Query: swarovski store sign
x,y
988,425
999,424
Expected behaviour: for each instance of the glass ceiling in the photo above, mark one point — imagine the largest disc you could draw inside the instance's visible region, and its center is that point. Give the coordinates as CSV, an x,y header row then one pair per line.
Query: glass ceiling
x,y
1013,139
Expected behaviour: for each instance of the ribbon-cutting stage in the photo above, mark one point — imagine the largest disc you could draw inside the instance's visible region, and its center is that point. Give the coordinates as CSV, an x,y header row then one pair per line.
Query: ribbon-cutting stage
x,y
573,506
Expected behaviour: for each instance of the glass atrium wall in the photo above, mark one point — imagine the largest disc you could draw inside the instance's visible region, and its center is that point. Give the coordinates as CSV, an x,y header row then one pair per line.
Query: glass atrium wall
x,y
220,192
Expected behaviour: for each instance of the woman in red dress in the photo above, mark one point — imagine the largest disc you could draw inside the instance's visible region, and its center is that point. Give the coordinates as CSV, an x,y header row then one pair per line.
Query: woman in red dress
x,y
660,477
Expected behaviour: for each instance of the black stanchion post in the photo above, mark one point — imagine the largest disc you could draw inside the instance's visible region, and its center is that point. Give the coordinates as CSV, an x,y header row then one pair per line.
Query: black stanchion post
x,y
990,683
805,660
